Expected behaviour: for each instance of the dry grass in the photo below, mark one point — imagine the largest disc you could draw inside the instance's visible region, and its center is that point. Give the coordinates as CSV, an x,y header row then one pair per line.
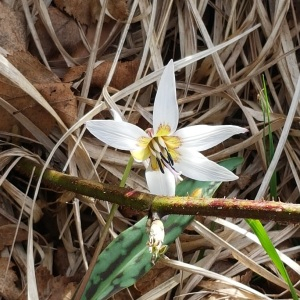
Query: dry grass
x,y
220,88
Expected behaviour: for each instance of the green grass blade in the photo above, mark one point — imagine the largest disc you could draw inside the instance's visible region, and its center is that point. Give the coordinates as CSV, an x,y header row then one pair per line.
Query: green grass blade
x,y
256,225
267,244
270,150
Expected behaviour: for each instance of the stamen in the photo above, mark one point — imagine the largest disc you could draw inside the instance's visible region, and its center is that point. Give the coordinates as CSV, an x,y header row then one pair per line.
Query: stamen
x,y
160,165
159,151
164,158
153,152
164,152
161,142
170,157
155,145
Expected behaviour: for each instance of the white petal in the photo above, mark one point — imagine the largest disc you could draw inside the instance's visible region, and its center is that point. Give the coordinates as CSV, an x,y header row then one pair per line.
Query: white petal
x,y
159,183
165,109
120,135
202,137
196,166
116,115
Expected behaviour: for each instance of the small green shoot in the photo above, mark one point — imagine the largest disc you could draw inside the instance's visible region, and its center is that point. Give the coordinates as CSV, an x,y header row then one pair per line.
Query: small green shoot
x,y
256,225
269,147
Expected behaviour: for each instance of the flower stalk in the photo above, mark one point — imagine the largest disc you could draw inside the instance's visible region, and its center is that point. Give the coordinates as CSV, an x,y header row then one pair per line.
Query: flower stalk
x,y
219,207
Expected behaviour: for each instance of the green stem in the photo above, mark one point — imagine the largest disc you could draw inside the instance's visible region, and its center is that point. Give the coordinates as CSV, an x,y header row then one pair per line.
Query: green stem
x,y
114,207
237,208
126,172
103,235
113,210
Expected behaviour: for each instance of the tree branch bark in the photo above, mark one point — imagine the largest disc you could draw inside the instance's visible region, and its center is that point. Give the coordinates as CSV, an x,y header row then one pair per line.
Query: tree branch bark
x,y
219,207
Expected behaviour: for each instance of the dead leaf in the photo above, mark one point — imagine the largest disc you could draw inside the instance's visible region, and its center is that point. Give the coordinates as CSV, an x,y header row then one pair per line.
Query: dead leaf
x,y
225,189
66,30
84,11
13,29
52,288
244,180
58,95
7,234
118,9
87,12
157,275
60,261
31,68
27,106
246,277
8,289
61,98
124,75
80,51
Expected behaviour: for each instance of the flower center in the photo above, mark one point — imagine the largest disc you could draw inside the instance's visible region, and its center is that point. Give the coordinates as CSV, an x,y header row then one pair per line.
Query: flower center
x,y
160,149
163,151
161,154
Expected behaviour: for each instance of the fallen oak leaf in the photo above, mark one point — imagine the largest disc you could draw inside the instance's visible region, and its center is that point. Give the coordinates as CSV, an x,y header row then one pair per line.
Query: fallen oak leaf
x,y
27,106
124,75
13,29
84,11
61,98
56,93
32,68
87,12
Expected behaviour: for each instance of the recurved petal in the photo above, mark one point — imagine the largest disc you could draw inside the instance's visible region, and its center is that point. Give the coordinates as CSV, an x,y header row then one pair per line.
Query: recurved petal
x,y
196,166
165,110
159,183
202,137
120,135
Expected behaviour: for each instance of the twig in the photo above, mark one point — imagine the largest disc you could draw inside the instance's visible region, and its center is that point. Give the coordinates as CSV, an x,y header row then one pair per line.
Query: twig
x,y
219,207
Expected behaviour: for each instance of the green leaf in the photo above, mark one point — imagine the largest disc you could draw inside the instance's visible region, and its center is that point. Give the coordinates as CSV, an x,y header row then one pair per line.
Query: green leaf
x,y
123,261
127,258
267,244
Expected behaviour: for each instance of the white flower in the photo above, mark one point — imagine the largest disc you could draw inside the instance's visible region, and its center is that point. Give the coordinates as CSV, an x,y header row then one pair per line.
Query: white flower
x,y
168,152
